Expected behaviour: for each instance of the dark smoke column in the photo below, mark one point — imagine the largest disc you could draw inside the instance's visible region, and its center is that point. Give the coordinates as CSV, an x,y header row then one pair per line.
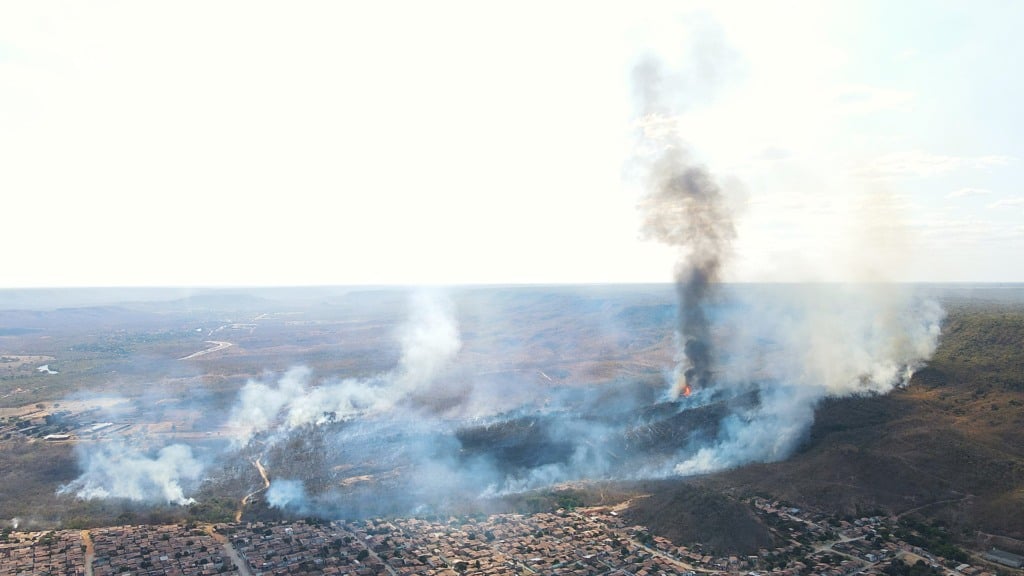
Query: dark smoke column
x,y
685,208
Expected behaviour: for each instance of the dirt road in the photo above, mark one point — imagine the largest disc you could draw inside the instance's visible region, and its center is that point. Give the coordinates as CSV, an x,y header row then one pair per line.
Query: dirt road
x,y
248,497
90,552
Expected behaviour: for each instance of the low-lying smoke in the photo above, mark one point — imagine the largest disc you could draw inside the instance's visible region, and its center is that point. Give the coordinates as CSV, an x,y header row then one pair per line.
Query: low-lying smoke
x,y
370,446
797,345
287,495
116,470
429,340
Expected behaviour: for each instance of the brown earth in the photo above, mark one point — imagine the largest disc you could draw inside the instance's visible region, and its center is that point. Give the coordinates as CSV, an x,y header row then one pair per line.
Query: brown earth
x,y
949,447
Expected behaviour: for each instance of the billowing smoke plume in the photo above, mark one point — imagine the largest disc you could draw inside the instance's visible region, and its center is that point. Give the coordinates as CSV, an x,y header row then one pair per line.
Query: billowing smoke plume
x,y
429,340
115,470
789,348
684,207
796,345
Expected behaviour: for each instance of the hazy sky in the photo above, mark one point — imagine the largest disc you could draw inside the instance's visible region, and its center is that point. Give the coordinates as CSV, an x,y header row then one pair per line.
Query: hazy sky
x,y
208,143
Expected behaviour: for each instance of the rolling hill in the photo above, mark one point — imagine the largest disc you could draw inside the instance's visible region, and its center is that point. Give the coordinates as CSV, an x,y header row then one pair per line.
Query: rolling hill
x,y
947,448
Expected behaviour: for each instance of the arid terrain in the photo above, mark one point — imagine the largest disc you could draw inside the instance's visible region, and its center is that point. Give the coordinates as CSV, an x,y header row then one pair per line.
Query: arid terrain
x,y
550,398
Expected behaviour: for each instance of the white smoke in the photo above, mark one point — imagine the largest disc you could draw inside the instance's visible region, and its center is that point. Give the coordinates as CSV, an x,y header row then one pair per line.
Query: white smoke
x,y
584,463
115,470
259,404
429,341
792,346
779,351
287,494
799,345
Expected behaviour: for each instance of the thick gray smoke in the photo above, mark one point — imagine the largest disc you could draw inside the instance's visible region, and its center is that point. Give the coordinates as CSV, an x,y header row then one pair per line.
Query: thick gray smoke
x,y
684,207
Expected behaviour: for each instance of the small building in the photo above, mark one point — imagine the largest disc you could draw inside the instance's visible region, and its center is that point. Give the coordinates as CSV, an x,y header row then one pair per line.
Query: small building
x,y
57,437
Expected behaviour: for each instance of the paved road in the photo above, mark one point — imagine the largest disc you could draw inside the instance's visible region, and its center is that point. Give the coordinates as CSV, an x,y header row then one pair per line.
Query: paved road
x,y
217,345
229,549
377,558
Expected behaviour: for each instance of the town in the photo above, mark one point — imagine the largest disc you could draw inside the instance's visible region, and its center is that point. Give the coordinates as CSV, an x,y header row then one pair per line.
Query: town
x,y
571,542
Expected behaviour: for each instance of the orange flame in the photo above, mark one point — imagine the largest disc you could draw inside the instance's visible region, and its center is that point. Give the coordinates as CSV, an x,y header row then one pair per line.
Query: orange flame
x,y
683,387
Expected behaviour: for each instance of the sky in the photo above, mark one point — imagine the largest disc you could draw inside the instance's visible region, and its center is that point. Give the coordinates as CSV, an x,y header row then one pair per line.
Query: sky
x,y
279,143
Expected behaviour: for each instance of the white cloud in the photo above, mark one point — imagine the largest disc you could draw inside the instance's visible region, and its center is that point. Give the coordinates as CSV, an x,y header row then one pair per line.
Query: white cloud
x,y
908,54
965,192
919,164
963,230
244,143
774,154
867,99
1014,202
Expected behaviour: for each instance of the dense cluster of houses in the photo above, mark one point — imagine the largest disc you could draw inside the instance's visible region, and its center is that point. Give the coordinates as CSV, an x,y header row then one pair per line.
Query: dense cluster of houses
x,y
42,553
565,543
153,550
595,542
825,546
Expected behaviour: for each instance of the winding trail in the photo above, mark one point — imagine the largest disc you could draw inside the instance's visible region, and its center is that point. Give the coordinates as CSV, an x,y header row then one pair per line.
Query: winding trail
x,y
935,503
248,497
263,473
